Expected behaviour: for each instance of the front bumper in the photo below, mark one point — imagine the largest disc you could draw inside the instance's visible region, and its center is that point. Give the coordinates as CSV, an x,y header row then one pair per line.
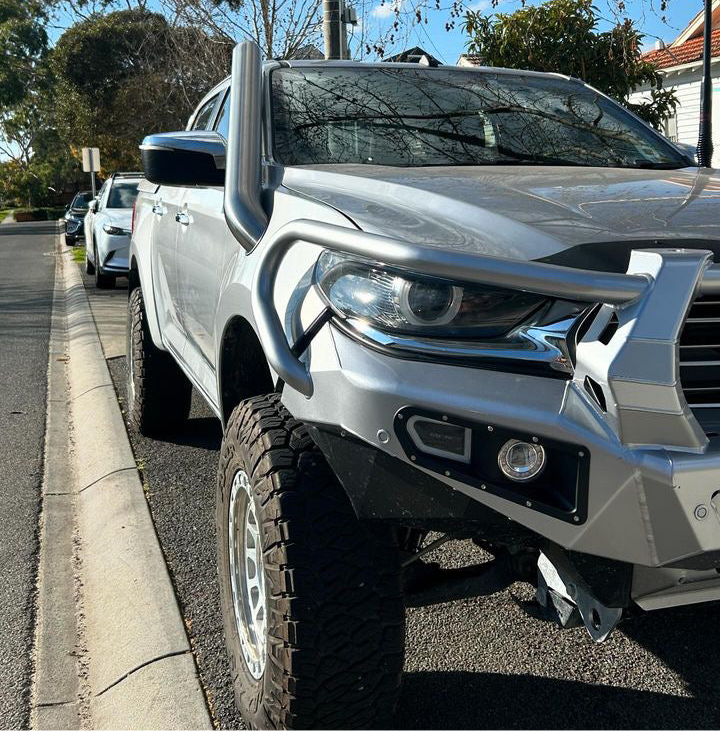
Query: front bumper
x,y
652,477
74,228
114,254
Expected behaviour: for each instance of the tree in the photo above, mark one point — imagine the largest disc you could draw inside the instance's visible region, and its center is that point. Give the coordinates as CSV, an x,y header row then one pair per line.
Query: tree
x,y
23,46
124,75
563,36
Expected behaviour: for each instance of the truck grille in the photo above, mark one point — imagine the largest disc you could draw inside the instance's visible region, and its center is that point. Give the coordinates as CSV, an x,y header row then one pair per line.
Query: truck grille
x,y
700,361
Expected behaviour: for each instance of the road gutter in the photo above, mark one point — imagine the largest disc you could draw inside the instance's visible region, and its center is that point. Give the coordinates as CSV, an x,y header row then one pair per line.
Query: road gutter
x,y
111,647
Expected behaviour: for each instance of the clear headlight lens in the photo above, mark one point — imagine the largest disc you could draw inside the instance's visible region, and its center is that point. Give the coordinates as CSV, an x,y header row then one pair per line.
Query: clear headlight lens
x,y
402,302
115,230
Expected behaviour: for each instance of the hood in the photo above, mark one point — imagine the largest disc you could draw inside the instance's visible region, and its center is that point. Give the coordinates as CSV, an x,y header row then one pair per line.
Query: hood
x,y
591,217
121,217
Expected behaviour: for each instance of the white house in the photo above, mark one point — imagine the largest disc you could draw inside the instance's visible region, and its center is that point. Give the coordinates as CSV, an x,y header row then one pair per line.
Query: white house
x,y
681,65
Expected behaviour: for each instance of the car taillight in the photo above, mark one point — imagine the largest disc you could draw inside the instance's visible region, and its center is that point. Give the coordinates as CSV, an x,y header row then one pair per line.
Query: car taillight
x,y
132,222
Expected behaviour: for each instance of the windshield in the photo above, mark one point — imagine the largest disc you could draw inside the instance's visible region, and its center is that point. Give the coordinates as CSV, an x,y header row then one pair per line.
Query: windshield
x,y
81,200
122,195
417,117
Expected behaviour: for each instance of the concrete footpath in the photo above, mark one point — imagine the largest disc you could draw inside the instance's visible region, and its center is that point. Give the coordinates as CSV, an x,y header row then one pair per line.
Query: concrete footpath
x,y
111,647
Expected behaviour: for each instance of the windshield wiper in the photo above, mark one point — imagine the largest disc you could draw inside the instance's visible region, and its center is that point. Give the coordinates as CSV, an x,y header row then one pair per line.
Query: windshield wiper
x,y
649,165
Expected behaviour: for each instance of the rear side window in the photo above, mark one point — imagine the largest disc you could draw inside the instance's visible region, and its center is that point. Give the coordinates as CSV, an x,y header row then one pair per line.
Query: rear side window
x,y
122,195
202,120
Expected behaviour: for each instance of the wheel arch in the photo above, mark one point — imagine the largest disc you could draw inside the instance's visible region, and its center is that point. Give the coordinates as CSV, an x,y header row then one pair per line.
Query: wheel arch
x,y
243,370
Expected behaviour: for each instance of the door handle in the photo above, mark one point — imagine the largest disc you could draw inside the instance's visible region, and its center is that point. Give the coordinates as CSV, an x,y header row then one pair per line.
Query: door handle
x,y
182,218
158,210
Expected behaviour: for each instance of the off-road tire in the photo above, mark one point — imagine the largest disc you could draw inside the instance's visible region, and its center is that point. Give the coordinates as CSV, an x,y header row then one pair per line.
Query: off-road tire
x,y
102,281
69,241
159,400
89,266
335,610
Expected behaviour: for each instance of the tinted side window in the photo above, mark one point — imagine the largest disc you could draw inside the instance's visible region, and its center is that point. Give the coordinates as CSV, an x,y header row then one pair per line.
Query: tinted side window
x,y
205,114
223,122
122,195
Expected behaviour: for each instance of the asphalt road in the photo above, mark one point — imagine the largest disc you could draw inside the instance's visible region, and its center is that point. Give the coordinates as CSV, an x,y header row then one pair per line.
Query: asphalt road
x,y
481,663
26,284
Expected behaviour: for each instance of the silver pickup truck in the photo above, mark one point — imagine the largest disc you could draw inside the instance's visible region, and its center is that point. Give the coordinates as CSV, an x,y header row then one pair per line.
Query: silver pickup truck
x,y
429,303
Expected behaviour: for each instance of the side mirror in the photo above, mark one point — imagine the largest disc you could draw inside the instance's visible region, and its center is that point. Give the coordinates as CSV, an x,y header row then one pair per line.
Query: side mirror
x,y
195,157
94,206
67,207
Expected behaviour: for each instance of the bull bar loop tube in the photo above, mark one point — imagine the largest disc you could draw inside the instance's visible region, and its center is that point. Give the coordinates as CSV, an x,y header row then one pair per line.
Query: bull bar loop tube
x,y
537,277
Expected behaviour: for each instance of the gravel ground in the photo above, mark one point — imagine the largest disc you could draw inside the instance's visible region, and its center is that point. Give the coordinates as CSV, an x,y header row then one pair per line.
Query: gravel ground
x,y
481,663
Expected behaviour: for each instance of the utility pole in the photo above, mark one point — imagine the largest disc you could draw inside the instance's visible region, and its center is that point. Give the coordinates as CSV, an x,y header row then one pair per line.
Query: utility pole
x,y
705,141
334,33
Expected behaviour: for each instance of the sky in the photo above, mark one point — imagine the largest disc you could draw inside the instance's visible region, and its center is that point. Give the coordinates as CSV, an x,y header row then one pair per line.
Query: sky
x,y
447,46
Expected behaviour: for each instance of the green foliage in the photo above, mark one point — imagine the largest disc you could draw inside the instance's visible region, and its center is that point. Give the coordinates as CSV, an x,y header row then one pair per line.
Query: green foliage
x,y
23,45
563,36
120,77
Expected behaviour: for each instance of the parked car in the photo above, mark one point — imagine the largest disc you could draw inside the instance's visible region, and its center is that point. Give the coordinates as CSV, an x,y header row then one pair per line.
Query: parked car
x,y
478,302
108,223
75,216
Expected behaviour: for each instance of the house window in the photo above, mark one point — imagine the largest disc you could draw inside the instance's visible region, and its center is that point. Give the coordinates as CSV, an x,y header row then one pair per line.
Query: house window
x,y
671,130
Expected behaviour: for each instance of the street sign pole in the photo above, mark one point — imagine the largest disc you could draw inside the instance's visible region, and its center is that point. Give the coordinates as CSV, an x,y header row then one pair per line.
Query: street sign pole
x,y
91,163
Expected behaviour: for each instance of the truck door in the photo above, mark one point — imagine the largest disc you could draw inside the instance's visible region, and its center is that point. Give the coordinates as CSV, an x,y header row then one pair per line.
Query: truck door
x,y
203,249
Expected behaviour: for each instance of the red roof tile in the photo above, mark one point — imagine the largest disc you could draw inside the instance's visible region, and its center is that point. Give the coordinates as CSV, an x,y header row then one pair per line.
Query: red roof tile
x,y
688,52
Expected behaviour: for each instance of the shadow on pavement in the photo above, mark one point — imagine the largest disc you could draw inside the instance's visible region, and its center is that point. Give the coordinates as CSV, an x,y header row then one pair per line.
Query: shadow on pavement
x,y
31,228
204,432
487,700
683,639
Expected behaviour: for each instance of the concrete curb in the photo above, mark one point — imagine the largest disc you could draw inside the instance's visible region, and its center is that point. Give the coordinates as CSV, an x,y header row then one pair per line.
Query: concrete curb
x,y
140,670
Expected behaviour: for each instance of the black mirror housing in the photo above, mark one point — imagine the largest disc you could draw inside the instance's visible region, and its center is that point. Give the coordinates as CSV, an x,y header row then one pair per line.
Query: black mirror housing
x,y
195,157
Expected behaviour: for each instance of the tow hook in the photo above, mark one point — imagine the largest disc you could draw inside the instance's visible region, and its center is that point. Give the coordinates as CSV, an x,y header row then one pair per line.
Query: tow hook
x,y
567,599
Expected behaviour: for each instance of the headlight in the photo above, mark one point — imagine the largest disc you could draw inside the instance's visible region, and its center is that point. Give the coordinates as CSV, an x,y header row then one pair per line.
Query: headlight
x,y
397,301
115,230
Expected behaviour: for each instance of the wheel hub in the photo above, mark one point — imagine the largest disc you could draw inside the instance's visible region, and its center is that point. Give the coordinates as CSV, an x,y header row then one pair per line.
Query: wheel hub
x,y
247,579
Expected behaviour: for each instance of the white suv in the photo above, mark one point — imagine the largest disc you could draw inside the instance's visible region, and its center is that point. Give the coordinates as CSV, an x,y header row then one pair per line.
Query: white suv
x,y
107,229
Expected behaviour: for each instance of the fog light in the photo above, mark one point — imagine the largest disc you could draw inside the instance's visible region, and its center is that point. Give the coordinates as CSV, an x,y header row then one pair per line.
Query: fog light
x,y
440,438
521,461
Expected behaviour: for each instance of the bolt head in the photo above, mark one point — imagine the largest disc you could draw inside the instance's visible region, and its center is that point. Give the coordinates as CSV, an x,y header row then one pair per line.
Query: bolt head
x,y
490,428
383,436
701,512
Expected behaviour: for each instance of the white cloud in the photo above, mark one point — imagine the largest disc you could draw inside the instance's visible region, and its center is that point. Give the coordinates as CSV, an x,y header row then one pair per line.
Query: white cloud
x,y
387,9
482,6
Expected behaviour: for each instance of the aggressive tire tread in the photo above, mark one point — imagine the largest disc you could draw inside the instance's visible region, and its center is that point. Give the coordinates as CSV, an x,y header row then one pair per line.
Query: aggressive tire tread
x,y
335,605
162,392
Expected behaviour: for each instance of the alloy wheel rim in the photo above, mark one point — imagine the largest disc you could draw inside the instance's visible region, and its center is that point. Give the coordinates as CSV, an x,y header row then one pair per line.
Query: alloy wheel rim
x,y
247,579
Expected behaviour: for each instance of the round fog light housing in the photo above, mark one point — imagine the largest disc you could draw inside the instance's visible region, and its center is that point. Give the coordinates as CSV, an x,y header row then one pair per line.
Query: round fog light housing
x,y
521,461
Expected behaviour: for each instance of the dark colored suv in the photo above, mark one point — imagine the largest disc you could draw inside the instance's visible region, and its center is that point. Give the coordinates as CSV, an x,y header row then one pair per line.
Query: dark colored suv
x,y
75,217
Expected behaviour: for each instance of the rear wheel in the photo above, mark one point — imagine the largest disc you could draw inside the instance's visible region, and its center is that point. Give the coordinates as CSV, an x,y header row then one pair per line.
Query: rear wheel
x,y
158,392
312,599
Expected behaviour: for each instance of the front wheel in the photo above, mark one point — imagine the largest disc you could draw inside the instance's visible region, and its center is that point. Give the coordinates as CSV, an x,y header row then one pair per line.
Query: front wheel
x,y
311,598
158,392
102,281
89,266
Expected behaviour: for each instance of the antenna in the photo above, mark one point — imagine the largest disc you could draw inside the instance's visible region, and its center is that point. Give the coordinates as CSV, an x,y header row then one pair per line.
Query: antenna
x,y
705,142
